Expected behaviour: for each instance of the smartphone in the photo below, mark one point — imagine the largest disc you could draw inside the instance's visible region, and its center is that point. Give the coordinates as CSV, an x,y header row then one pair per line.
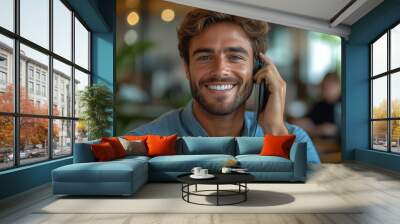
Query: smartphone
x,y
262,92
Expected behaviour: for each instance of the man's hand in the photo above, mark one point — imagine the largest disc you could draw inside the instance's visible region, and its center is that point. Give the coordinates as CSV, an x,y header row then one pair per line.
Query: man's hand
x,y
271,118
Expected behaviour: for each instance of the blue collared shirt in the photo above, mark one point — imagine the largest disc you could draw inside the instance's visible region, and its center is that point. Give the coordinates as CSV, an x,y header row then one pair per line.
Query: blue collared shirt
x,y
183,123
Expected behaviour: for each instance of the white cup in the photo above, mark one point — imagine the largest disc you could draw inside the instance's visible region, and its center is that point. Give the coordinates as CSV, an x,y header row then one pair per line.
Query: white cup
x,y
226,170
196,170
203,172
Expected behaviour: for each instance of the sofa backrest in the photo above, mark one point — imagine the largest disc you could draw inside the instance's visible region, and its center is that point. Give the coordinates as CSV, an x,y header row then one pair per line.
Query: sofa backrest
x,y
192,146
249,145
83,153
206,145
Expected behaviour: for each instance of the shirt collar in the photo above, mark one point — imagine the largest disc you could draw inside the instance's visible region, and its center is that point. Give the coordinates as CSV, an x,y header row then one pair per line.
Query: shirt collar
x,y
193,126
190,122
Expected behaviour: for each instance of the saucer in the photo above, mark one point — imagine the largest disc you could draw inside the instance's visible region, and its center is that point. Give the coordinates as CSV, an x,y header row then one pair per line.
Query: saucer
x,y
208,176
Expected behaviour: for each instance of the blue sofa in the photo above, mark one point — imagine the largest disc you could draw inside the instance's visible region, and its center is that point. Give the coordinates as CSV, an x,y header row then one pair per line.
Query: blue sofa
x,y
126,175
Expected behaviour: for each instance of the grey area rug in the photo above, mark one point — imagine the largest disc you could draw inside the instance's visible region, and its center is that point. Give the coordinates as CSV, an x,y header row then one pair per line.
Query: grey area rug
x,y
166,198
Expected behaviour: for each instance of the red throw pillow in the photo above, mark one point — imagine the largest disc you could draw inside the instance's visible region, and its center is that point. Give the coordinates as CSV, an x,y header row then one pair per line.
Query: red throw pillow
x,y
116,145
277,145
161,145
135,137
103,151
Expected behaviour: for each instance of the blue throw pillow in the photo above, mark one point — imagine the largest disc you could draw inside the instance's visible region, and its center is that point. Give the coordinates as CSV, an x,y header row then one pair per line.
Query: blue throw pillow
x,y
207,145
249,145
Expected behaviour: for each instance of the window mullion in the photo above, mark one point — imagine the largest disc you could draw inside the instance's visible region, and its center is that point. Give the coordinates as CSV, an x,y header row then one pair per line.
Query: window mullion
x,y
50,81
73,83
389,76
371,137
16,69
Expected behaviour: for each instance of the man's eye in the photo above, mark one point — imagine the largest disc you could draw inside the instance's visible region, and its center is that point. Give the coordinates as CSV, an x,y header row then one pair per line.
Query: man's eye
x,y
235,57
203,58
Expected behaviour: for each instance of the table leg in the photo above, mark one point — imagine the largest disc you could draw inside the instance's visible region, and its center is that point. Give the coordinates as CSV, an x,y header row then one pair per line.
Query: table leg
x,y
245,191
188,189
196,188
217,194
182,189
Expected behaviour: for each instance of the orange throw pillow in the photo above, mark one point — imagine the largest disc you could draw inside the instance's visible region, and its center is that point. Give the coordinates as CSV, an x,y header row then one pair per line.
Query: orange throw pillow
x,y
277,145
103,151
161,145
116,145
135,137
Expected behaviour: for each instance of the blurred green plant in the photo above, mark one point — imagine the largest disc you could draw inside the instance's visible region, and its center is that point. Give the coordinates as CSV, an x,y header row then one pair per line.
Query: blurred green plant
x,y
127,55
96,102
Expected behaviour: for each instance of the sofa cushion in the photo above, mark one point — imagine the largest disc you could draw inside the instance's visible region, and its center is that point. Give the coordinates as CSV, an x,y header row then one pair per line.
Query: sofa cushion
x,y
206,145
257,163
131,158
111,171
83,152
161,145
134,147
249,145
185,163
277,145
103,151
116,145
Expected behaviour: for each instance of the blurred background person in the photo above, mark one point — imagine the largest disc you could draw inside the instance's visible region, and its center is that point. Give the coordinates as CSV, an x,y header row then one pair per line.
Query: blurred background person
x,y
322,121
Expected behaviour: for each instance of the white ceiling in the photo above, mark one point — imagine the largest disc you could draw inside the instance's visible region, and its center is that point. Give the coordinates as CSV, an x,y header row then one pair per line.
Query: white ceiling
x,y
321,9
314,15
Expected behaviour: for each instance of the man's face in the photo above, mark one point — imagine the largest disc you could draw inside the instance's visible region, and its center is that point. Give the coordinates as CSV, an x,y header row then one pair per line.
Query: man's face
x,y
220,68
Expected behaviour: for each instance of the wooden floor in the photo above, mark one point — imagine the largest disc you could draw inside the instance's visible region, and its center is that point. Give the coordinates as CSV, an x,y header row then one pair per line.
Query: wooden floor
x,y
378,188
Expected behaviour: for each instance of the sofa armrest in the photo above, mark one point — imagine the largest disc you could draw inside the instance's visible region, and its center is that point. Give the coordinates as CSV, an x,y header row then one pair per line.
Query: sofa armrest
x,y
298,155
83,152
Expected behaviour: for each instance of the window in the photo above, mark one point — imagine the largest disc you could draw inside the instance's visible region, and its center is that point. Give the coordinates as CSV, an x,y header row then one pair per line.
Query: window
x,y
3,78
62,30
3,72
3,61
7,14
62,75
30,72
34,22
30,87
385,94
37,75
38,89
7,85
41,69
81,45
44,91
43,77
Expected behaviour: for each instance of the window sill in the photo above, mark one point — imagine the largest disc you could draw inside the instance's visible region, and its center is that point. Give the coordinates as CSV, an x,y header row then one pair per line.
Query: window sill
x,y
26,167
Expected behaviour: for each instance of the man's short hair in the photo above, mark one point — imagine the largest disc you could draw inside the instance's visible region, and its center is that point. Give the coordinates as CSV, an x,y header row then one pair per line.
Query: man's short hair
x,y
197,20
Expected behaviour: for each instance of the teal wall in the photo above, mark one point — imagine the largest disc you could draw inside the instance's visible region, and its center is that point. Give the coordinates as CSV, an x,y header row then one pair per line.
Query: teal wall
x,y
103,51
355,67
99,15
24,178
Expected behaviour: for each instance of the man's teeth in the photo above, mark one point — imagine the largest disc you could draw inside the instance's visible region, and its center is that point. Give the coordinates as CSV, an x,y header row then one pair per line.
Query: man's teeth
x,y
220,87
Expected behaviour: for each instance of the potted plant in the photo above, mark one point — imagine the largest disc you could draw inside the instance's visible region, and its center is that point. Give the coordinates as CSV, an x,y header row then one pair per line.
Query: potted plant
x,y
96,102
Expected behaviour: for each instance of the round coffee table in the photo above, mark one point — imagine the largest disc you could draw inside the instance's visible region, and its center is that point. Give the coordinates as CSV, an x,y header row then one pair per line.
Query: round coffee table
x,y
238,179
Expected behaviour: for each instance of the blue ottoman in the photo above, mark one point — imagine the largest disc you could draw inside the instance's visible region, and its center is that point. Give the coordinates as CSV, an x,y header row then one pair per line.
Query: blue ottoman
x,y
118,177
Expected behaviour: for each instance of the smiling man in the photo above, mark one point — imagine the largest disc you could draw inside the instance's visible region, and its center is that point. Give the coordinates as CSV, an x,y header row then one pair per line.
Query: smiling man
x,y
219,53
